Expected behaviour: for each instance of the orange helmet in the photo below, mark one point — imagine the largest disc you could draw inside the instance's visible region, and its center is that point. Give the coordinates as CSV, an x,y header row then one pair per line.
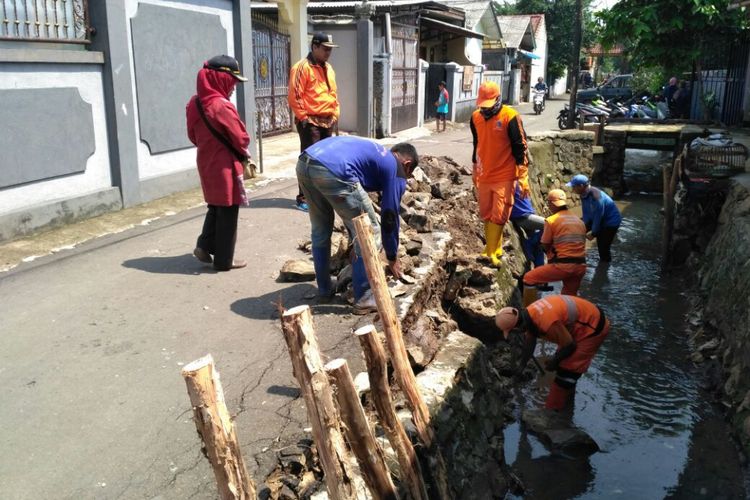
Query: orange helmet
x,y
506,319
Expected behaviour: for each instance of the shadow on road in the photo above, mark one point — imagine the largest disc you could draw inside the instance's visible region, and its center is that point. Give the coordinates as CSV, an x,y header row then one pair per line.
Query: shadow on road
x,y
265,306
273,203
175,264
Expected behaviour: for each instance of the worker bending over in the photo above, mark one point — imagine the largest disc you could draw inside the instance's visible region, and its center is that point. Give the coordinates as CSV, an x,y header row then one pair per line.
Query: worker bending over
x,y
575,325
600,214
564,240
500,160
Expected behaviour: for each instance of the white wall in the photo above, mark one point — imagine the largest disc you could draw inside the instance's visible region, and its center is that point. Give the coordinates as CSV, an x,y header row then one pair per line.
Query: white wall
x,y
344,62
88,80
539,66
174,161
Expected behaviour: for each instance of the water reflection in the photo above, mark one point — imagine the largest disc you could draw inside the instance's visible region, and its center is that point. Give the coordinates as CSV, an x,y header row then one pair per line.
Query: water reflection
x,y
641,399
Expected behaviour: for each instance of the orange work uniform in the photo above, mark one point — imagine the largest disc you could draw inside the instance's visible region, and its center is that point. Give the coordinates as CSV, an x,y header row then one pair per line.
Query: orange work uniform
x,y
565,237
313,93
587,326
500,159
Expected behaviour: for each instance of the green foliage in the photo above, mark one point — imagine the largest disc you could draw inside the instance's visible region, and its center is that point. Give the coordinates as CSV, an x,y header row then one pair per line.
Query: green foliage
x,y
670,34
649,79
560,20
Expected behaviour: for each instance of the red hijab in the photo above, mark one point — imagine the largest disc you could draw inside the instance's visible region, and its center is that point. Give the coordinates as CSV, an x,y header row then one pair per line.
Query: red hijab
x,y
214,84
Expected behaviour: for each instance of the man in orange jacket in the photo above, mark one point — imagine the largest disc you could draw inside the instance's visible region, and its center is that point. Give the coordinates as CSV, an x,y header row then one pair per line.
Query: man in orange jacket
x,y
564,240
577,326
500,161
313,97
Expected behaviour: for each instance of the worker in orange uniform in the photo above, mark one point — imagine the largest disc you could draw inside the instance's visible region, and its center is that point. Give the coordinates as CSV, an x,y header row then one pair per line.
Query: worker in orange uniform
x,y
564,240
575,325
500,160
313,97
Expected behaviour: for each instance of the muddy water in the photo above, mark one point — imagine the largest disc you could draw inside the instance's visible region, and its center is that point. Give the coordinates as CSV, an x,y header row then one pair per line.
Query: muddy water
x,y
641,399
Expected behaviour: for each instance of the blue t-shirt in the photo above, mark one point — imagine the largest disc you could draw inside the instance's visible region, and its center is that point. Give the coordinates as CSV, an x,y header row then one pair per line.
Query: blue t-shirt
x,y
599,211
521,206
373,166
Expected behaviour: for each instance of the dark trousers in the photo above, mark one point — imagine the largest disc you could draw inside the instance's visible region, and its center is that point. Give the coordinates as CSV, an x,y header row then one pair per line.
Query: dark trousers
x,y
604,242
309,135
220,234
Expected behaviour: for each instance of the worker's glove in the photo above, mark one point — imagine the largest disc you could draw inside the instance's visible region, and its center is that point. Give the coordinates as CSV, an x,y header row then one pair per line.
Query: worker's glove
x,y
523,185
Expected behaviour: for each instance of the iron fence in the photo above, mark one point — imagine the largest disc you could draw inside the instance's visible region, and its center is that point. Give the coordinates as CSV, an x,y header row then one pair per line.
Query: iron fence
x,y
45,20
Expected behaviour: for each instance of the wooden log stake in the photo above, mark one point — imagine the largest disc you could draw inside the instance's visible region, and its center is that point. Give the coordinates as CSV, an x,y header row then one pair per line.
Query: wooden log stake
x,y
358,433
216,430
380,391
392,328
336,461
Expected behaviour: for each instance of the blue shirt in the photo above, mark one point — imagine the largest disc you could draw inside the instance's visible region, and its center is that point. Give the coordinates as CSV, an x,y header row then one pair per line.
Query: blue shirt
x,y
373,166
599,211
521,206
443,102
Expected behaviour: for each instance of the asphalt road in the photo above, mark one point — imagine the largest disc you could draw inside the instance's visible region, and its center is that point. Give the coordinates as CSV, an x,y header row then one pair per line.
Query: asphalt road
x,y
93,340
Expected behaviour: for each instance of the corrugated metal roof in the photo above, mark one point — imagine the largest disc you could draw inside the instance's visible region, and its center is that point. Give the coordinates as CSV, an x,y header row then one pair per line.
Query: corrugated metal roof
x,y
513,28
344,4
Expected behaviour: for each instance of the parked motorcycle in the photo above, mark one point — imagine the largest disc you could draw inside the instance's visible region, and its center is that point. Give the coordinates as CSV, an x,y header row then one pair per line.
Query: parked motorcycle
x,y
538,98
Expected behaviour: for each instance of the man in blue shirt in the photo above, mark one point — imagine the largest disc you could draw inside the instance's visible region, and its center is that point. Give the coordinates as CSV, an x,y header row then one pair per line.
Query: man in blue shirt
x,y
335,175
600,214
529,225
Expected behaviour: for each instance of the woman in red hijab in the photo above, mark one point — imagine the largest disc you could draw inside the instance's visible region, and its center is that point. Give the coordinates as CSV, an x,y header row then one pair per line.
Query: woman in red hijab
x,y
219,153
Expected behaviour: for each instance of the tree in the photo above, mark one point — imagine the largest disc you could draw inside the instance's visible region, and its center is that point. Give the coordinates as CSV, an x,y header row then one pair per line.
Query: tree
x,y
560,18
669,34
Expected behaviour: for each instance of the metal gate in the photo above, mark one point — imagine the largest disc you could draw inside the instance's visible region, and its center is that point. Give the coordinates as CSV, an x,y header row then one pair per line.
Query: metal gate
x,y
271,51
404,106
719,85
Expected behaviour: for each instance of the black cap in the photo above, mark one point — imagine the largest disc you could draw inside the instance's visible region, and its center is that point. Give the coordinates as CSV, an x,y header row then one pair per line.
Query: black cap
x,y
323,39
225,64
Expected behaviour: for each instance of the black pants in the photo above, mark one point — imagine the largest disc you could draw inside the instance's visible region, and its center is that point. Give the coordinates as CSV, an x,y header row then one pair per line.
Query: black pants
x,y
309,135
220,234
604,241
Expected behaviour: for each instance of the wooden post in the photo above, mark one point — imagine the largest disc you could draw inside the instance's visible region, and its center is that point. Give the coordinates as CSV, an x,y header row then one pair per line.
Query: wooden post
x,y
392,327
669,192
411,474
299,334
358,433
216,430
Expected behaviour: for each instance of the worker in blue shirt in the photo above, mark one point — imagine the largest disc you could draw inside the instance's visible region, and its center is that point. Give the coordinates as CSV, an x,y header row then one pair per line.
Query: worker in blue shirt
x,y
600,214
529,225
335,175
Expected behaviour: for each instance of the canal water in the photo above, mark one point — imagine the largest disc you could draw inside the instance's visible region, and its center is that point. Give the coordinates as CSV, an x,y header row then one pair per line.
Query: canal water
x,y
641,400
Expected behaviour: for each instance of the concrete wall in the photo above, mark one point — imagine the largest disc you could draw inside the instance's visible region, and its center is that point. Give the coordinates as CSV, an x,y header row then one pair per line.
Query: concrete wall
x,y
463,103
98,127
344,61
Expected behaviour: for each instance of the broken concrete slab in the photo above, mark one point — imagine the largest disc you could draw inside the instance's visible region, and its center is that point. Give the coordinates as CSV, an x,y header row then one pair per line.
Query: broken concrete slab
x,y
295,271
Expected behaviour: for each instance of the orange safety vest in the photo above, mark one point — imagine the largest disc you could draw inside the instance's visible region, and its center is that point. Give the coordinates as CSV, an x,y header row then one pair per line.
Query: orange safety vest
x,y
313,93
580,317
495,161
566,233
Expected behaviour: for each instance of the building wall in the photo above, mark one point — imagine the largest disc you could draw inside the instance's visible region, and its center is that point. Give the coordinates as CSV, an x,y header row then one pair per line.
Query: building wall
x,y
93,128
344,61
539,66
56,146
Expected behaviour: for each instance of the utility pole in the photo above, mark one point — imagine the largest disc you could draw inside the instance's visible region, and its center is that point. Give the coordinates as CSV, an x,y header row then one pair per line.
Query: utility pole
x,y
577,34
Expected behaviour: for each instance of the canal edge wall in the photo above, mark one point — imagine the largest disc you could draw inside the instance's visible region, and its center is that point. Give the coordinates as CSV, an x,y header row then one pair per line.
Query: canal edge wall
x,y
725,292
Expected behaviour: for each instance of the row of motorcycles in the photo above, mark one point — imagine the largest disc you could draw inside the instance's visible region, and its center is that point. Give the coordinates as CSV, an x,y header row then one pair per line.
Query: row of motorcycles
x,y
644,106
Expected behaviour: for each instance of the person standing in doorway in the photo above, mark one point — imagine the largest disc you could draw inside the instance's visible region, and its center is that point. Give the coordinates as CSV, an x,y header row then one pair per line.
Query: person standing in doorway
x,y
600,215
313,97
442,106
215,127
500,162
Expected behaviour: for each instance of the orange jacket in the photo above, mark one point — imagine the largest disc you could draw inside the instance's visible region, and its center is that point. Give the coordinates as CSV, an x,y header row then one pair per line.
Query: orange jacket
x,y
312,92
499,147
565,233
579,316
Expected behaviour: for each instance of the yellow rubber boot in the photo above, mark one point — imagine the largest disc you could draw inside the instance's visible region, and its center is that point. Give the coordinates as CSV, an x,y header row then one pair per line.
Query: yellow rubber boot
x,y
493,233
530,295
499,249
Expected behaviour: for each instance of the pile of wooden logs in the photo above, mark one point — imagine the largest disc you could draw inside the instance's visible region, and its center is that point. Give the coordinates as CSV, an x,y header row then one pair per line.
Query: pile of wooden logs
x,y
336,414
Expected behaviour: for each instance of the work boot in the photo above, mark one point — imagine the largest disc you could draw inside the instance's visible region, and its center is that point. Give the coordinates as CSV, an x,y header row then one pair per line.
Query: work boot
x,y
493,234
366,304
359,277
322,264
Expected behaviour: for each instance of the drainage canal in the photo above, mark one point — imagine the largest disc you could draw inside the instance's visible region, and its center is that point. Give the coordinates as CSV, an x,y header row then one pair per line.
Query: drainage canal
x,y
642,399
